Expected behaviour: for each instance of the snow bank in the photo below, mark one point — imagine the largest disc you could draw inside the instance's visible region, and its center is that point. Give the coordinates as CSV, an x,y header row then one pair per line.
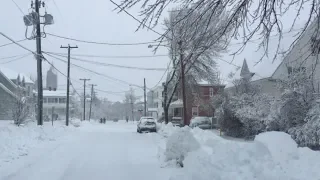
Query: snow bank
x,y
17,141
179,144
272,155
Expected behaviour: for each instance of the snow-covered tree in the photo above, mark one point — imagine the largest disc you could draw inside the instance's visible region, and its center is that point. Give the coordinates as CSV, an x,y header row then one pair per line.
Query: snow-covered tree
x,y
20,109
192,48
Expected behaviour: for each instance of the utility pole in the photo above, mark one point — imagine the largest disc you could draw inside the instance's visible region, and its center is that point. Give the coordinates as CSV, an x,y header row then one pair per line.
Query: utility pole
x,y
84,97
91,99
39,65
183,84
68,82
33,19
145,96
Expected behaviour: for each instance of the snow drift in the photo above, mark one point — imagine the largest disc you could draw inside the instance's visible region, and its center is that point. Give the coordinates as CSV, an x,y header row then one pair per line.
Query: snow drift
x,y
272,155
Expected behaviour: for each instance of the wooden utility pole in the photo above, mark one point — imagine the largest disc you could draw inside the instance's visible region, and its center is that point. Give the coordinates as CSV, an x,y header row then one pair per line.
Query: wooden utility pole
x,y
91,99
145,96
84,97
183,84
68,82
39,66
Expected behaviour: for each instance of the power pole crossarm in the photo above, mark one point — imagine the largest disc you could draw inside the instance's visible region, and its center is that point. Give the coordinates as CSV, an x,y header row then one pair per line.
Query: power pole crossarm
x,y
68,82
84,97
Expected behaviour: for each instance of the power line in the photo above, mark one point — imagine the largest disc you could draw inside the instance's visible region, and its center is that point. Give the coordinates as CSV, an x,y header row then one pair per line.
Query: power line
x,y
18,7
101,43
3,45
9,57
63,75
110,57
12,60
115,65
94,72
122,9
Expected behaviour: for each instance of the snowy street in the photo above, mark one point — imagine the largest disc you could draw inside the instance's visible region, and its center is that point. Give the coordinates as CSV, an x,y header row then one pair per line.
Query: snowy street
x,y
116,151
112,151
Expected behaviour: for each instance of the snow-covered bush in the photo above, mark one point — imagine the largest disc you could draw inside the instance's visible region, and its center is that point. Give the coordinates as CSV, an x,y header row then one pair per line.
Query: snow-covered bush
x,y
179,144
20,109
244,115
309,133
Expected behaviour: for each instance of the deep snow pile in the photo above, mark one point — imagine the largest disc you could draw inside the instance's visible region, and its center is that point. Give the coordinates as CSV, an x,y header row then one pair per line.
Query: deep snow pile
x,y
272,155
17,141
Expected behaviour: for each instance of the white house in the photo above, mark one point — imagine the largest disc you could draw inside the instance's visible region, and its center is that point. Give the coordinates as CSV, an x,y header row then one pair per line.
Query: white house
x,y
54,99
302,57
154,102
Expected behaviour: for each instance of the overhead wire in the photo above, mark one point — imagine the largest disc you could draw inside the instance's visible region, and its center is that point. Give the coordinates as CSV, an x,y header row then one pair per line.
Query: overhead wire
x,y
9,57
16,59
111,57
3,45
102,43
94,72
63,75
115,65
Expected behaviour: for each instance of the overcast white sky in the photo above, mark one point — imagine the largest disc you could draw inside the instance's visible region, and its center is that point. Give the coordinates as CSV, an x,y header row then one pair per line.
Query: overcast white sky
x,y
94,20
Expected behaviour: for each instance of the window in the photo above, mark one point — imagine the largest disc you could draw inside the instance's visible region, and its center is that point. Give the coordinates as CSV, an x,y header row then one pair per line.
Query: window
x,y
45,100
50,100
211,92
62,100
195,111
296,70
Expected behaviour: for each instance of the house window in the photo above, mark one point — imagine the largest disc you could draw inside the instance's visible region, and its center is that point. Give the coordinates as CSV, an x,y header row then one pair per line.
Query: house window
x,y
296,70
211,92
62,100
45,100
50,100
195,111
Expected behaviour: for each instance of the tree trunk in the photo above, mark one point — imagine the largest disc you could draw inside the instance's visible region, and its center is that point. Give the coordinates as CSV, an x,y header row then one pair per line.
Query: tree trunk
x,y
166,113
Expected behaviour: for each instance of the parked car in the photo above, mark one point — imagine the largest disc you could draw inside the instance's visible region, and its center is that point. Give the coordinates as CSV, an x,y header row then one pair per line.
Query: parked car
x,y
202,122
147,124
176,121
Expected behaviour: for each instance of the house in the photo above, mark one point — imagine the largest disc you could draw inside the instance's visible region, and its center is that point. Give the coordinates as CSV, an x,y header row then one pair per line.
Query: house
x,y
154,102
56,101
302,57
199,98
10,83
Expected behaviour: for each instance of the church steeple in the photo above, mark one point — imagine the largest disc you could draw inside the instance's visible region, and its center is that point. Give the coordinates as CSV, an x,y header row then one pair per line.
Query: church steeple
x,y
245,72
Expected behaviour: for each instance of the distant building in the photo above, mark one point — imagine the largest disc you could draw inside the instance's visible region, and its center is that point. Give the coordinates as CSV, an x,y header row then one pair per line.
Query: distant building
x,y
52,79
154,102
10,81
199,102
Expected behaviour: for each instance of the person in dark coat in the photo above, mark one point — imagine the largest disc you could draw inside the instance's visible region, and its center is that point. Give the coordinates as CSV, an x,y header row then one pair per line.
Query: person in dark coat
x,y
104,120
101,120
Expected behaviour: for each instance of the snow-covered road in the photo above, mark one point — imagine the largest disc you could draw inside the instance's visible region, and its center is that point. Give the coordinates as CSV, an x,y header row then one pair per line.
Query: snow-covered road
x,y
112,151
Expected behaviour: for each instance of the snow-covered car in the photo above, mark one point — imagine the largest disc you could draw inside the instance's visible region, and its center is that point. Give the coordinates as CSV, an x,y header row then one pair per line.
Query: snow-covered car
x,y
202,122
147,124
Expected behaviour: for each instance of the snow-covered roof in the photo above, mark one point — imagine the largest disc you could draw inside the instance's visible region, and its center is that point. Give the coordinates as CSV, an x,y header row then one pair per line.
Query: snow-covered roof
x,y
10,74
59,93
7,90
